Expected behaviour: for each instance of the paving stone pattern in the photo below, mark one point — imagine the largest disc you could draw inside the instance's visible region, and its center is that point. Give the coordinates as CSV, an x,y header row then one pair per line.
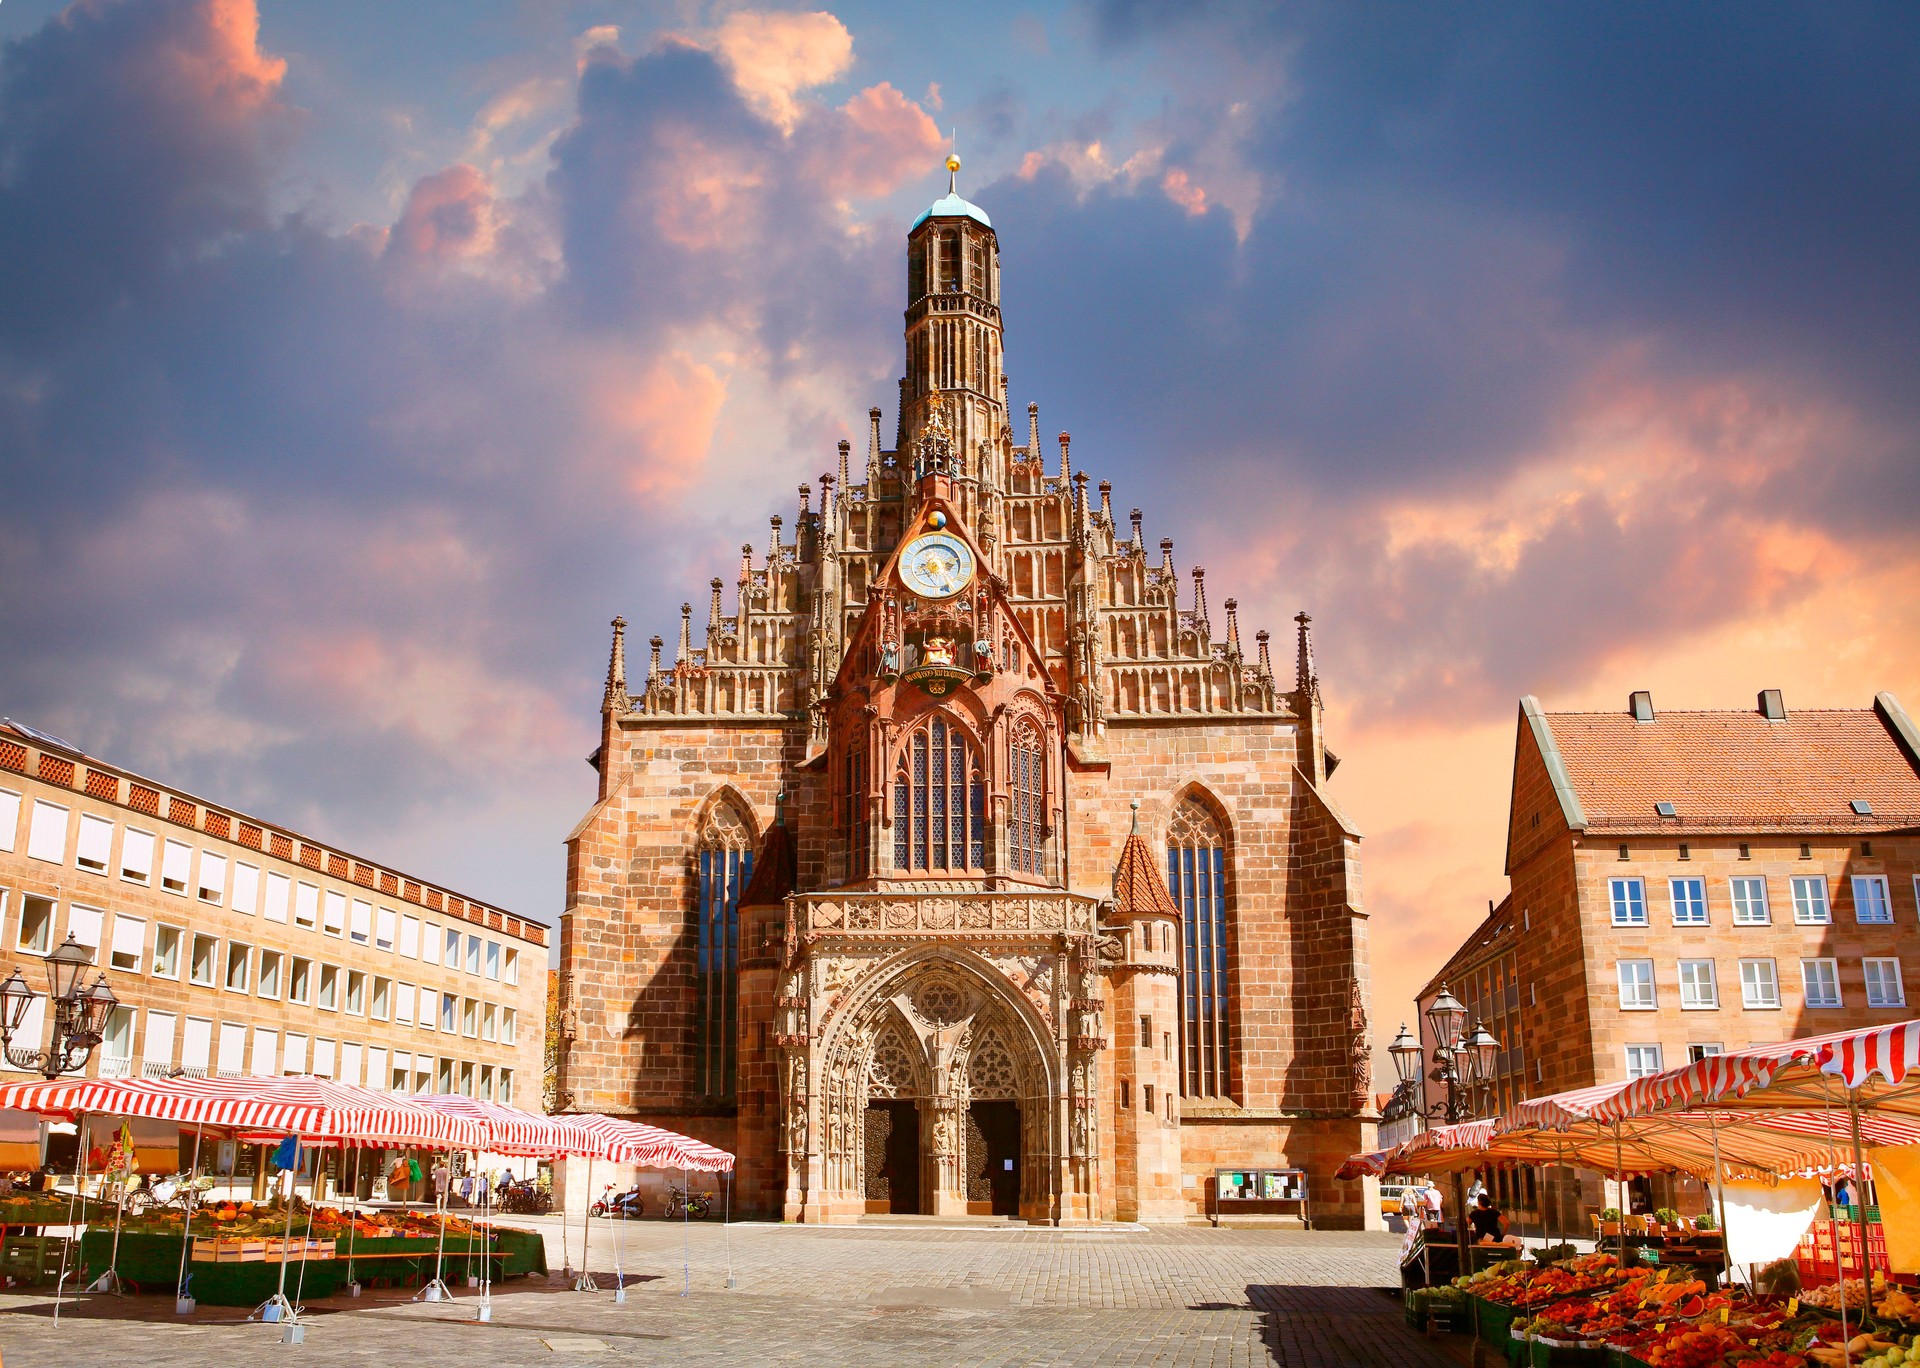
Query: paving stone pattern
x,y
865,1295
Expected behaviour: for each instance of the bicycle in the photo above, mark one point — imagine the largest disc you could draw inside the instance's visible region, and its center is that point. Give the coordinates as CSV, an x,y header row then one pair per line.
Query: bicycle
x,y
698,1205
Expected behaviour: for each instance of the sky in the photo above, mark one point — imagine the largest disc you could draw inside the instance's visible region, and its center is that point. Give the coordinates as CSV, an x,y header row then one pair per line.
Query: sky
x,y
360,361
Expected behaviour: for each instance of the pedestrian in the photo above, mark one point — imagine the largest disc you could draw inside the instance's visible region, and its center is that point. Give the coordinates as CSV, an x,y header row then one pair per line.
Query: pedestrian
x,y
1431,1194
466,1188
1843,1191
442,1189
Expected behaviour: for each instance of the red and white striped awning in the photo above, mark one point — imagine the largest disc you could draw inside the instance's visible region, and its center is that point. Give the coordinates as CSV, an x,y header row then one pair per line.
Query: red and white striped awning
x,y
1369,1165
508,1130
1879,1067
635,1142
315,1109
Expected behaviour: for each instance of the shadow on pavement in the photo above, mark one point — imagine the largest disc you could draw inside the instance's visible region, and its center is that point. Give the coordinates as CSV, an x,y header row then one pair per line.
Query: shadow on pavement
x,y
1327,1326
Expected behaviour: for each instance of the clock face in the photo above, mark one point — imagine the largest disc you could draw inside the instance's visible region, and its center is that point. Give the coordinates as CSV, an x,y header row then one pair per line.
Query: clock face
x,y
937,565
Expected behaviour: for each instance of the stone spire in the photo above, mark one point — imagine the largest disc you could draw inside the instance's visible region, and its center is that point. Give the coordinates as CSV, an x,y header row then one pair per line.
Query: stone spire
x,y
1306,674
1138,544
1233,628
1137,883
846,451
685,654
774,525
1262,643
1066,459
1033,432
713,614
1106,504
654,645
616,697
1166,557
873,449
1200,601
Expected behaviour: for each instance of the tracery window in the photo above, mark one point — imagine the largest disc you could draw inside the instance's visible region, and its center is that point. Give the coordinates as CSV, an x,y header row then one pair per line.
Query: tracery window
x,y
939,801
1027,781
1197,877
724,866
859,814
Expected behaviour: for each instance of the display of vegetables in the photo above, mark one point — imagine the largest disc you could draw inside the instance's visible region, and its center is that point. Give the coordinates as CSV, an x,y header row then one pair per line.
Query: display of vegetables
x,y
251,1220
1667,1318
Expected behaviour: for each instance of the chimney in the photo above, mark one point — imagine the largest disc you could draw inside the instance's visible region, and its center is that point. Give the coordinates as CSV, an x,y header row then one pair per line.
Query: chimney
x,y
1772,706
1640,704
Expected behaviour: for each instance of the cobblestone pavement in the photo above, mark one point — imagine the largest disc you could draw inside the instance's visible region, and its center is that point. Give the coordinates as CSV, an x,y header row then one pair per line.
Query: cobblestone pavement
x,y
861,1295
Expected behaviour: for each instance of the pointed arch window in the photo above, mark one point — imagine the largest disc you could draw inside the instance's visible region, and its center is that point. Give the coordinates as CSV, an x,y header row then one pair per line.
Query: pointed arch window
x,y
1197,877
1027,783
724,864
859,814
939,801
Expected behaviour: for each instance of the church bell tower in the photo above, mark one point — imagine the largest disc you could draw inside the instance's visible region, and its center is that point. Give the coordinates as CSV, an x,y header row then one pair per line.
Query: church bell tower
x,y
955,352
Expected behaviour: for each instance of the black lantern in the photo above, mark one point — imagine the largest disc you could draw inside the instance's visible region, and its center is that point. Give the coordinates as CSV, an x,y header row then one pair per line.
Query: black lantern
x,y
80,1014
1480,1052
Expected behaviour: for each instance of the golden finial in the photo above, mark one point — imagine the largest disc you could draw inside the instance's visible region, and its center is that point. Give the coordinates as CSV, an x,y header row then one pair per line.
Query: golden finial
x,y
953,161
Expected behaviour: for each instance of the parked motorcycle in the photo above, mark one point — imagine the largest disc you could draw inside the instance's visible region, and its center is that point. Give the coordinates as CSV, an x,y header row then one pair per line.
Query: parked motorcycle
x,y
626,1205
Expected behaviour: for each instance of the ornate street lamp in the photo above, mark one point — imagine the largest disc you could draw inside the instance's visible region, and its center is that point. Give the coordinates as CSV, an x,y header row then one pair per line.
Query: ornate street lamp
x,y
79,1014
1463,1063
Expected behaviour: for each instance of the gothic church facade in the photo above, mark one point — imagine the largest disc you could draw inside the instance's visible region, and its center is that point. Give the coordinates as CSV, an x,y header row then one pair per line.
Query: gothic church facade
x,y
970,864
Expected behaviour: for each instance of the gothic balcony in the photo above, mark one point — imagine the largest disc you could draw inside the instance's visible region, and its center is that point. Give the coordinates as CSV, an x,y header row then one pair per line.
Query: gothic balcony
x,y
987,916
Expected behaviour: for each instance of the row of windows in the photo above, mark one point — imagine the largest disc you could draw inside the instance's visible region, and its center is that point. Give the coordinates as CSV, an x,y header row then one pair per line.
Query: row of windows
x,y
274,897
202,1047
1643,1060
1699,987
209,962
1747,897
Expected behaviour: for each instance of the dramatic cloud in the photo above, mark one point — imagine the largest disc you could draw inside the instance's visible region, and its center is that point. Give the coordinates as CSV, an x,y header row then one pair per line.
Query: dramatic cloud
x,y
1560,351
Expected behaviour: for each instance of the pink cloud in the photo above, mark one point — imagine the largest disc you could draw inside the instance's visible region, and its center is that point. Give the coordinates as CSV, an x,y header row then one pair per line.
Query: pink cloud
x,y
773,56
1180,188
230,64
450,216
659,427
875,143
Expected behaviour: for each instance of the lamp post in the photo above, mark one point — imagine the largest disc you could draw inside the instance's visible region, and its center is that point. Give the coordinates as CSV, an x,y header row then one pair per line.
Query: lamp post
x,y
1463,1064
79,1013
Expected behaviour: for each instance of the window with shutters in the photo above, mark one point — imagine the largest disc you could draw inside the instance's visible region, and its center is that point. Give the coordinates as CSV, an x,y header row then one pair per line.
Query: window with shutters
x,y
859,812
724,866
939,801
1027,782
1197,877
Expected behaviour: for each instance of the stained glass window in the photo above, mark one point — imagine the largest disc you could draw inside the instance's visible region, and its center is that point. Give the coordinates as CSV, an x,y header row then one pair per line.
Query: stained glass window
x,y
1197,877
939,801
1028,784
725,864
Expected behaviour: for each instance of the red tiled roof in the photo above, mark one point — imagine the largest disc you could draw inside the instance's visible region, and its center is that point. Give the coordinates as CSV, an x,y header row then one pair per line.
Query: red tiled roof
x,y
1737,771
1137,884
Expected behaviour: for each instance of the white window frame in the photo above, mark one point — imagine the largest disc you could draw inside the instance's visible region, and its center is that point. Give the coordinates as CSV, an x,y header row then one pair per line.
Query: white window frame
x,y
1700,1050
385,922
301,996
246,968
276,903
1704,989
179,947
347,1003
1743,907
1879,899
360,923
333,918
1698,885
1642,1071
473,956
1821,967
45,942
493,960
96,834
88,926
1887,969
246,888
1631,1001
380,999
1624,894
131,840
176,857
47,831
213,961
326,988
510,970
1805,913
137,926
507,1019
451,957
218,888
403,1000
276,962
9,819
1751,1000
306,904
409,937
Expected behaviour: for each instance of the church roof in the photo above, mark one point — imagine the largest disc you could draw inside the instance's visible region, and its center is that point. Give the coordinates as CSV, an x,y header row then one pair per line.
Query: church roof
x,y
950,205
1137,885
